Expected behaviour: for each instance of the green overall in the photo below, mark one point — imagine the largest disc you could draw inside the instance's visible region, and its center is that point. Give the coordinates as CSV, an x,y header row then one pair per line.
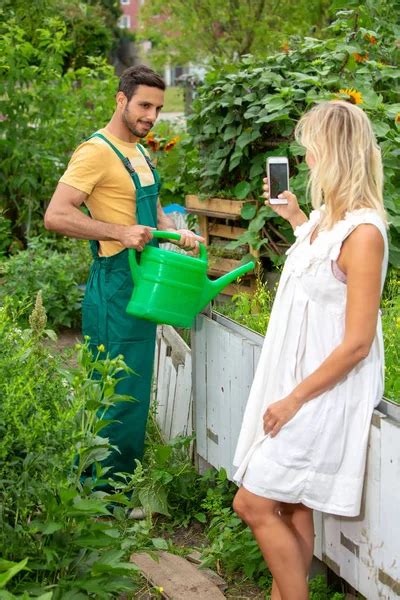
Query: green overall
x,y
105,321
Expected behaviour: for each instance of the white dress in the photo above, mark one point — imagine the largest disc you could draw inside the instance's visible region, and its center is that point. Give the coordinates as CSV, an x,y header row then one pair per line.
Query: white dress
x,y
318,457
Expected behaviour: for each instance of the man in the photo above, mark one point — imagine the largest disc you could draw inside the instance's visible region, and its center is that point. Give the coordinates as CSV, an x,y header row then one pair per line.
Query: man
x,y
112,175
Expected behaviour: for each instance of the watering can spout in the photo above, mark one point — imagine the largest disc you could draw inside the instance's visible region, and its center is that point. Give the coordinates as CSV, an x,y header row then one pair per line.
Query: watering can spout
x,y
215,287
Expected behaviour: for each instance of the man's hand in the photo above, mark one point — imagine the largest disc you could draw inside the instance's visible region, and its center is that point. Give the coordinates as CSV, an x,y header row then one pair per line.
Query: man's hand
x,y
279,413
189,240
135,236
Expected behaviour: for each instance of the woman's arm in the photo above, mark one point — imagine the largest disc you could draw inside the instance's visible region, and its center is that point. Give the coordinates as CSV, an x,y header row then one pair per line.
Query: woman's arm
x,y
361,259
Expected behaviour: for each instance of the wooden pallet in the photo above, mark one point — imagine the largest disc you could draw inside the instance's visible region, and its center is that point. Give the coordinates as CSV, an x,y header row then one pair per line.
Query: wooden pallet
x,y
217,218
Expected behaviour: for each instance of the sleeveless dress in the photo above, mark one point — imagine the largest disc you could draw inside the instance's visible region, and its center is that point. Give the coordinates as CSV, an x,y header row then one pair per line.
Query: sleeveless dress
x,y
318,458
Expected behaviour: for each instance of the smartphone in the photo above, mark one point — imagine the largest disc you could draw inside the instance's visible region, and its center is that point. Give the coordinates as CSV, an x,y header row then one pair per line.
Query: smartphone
x,y
278,178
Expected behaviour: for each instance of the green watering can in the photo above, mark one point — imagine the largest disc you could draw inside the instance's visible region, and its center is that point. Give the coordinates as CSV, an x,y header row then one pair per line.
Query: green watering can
x,y
171,288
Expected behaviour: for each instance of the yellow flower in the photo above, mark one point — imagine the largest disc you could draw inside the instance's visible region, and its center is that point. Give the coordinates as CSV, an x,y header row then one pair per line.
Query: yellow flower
x,y
101,348
397,119
354,96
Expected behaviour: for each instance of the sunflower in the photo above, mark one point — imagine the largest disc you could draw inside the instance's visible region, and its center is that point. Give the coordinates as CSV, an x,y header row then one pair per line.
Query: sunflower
x,y
360,58
370,38
353,95
172,142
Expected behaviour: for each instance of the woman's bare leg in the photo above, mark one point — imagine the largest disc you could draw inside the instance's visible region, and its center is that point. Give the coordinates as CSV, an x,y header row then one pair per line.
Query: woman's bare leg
x,y
300,519
278,543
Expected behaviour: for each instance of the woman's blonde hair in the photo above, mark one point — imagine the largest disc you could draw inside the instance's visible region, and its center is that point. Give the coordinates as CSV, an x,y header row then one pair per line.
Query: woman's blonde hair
x,y
347,174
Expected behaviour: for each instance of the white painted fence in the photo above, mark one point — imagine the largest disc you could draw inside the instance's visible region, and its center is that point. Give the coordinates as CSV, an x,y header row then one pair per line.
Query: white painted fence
x,y
365,551
173,383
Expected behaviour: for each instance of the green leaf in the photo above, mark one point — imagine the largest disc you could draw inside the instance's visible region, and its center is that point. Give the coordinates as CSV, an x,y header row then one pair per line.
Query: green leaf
x,y
12,569
248,211
242,190
201,517
160,543
380,129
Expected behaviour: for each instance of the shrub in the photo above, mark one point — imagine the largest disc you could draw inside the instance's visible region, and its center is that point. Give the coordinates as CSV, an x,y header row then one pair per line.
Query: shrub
x,y
247,111
45,114
56,271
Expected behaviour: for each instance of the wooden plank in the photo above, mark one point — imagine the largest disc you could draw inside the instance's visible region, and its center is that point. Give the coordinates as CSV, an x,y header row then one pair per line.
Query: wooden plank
x,y
368,524
162,384
179,579
219,206
180,417
225,231
170,398
203,226
217,383
243,332
199,374
331,542
179,348
241,353
390,500
219,265
318,528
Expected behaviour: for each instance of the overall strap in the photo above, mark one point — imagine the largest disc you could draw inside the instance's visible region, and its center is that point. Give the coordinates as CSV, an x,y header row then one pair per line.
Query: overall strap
x,y
126,162
151,165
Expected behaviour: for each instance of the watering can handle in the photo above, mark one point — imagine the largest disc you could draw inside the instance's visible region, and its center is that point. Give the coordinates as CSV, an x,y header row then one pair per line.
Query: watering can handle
x,y
172,235
169,235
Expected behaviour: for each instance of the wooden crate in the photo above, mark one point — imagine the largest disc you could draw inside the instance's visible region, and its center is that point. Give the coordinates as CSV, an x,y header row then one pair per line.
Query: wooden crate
x,y
217,217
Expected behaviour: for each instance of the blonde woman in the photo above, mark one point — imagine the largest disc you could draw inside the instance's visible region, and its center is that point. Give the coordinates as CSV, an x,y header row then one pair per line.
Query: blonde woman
x,y
304,436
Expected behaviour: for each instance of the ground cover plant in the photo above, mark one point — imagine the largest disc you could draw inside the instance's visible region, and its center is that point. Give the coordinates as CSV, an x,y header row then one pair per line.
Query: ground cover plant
x,y
56,536
247,111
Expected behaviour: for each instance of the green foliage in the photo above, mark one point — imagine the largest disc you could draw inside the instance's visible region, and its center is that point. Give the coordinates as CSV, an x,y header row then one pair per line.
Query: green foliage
x,y
167,482
5,234
224,30
319,590
45,113
56,271
90,26
391,331
251,310
56,531
247,111
177,160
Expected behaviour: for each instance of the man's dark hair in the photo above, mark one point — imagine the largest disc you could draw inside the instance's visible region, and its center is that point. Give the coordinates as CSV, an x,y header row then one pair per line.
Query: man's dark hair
x,y
139,75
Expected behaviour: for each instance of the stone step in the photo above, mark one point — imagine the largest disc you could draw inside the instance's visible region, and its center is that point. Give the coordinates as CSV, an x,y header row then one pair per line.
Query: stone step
x,y
178,578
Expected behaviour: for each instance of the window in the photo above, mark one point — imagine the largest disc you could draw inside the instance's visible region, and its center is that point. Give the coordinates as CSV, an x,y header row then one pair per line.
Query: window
x,y
124,22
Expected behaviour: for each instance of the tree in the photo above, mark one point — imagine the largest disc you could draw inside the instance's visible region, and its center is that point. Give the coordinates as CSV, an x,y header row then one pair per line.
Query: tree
x,y
198,30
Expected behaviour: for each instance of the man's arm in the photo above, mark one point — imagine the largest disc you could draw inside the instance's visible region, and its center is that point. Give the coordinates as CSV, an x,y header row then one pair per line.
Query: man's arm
x,y
63,215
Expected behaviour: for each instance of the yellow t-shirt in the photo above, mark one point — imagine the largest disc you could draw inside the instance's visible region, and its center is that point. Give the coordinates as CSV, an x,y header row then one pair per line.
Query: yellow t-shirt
x,y
95,169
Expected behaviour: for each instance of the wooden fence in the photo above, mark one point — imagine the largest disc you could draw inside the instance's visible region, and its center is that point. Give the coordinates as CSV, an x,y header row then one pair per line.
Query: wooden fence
x,y
365,551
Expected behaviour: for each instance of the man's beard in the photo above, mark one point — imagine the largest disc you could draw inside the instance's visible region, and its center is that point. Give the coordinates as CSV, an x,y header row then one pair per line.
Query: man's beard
x,y
131,128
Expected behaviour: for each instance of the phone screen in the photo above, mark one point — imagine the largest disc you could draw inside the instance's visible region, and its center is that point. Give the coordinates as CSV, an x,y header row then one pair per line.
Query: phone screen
x,y
278,181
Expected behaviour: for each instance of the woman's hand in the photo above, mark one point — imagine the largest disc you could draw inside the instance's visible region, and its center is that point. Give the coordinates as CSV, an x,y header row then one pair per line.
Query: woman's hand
x,y
290,211
279,413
